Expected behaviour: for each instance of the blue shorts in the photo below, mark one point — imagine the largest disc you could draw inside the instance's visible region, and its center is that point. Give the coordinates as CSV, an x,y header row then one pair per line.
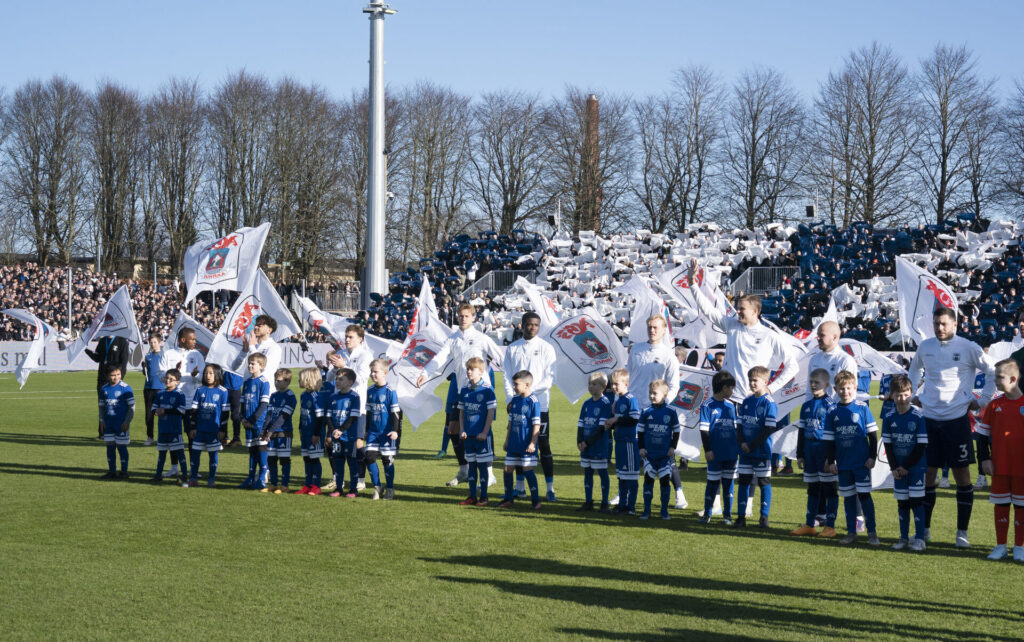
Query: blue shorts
x,y
657,467
252,438
112,436
380,443
814,463
207,442
169,441
627,460
950,443
479,452
757,466
910,487
597,451
345,449
521,459
855,481
280,446
719,470
594,463
308,449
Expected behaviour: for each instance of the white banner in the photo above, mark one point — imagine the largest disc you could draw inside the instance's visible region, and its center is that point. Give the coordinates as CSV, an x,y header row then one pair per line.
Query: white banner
x,y
116,319
919,294
584,344
204,337
229,263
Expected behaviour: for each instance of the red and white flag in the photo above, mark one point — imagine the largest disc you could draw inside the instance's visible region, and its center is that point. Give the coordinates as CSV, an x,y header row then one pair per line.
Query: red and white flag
x,y
648,304
550,312
584,344
920,294
116,319
204,336
228,263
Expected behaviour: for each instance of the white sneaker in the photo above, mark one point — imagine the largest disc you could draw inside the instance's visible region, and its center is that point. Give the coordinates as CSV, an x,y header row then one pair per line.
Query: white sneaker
x,y
716,508
491,479
329,486
460,477
1018,553
861,527
961,540
681,502
360,485
998,553
900,545
944,482
981,483
173,472
918,545
148,442
614,501
750,509
376,492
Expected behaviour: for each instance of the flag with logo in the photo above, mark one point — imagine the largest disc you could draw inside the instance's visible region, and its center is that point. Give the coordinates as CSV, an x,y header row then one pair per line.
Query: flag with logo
x,y
228,263
43,334
331,325
550,312
647,304
919,294
700,331
584,344
260,298
204,336
116,319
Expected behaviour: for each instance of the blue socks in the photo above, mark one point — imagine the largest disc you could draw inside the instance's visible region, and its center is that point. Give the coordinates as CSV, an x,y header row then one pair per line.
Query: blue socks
x,y
374,473
111,457
710,490
588,485
389,475
531,482
510,491
605,482
482,477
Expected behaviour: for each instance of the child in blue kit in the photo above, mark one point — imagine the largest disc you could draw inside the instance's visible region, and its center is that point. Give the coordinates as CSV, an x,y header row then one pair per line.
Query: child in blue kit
x,y
592,441
117,408
810,453
521,440
255,401
905,439
312,409
169,407
625,416
757,421
382,421
278,427
208,418
851,441
718,436
657,435
477,406
154,364
344,432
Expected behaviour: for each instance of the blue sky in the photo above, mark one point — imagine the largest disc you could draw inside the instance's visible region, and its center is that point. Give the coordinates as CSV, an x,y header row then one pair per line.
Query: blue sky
x,y
604,46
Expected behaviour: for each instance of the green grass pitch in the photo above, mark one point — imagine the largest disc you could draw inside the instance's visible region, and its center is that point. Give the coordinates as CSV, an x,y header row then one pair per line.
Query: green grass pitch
x,y
88,559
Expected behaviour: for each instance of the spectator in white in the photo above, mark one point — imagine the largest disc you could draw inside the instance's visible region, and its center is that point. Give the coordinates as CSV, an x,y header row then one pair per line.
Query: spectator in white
x,y
356,356
748,342
259,340
831,357
649,362
949,364
462,345
536,356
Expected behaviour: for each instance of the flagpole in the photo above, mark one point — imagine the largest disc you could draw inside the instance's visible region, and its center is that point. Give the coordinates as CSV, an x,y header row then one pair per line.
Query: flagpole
x,y
69,302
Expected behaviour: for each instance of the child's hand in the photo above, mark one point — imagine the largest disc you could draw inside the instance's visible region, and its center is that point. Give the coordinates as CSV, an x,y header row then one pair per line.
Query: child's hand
x,y
392,435
531,447
222,436
986,467
192,434
643,453
800,462
315,440
709,455
834,469
327,442
336,434
609,422
899,473
582,446
744,447
159,412
481,437
870,463
124,427
360,443
463,435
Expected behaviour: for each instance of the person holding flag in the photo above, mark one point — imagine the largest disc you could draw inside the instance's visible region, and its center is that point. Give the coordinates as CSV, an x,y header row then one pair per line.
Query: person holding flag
x,y
831,358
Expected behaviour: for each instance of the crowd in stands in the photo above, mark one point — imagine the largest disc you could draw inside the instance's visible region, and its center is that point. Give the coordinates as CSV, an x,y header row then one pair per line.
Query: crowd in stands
x,y
853,266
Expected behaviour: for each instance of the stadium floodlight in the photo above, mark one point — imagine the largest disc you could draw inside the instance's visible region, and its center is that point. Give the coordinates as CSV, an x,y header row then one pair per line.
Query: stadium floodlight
x,y
374,279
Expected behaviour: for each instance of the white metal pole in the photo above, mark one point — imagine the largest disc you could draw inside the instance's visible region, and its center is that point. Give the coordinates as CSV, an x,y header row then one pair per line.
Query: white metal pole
x,y
69,301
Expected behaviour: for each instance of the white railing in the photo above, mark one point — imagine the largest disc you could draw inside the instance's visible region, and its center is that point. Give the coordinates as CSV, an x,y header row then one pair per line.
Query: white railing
x,y
760,280
499,281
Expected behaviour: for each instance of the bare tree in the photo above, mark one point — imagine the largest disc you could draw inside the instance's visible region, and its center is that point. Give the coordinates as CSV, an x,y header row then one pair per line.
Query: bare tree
x,y
590,169
174,168
238,157
701,99
832,150
508,159
114,132
765,135
662,157
45,160
982,143
951,94
1011,169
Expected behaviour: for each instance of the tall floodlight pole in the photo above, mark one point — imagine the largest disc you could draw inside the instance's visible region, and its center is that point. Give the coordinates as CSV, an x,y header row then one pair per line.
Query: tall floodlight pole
x,y
376,187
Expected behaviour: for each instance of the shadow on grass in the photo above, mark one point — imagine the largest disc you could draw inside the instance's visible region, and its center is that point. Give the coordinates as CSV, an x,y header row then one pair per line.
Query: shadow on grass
x,y
735,606
138,476
51,440
665,634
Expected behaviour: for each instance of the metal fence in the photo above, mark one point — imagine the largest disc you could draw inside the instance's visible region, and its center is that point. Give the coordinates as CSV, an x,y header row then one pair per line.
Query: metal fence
x,y
336,301
761,280
499,282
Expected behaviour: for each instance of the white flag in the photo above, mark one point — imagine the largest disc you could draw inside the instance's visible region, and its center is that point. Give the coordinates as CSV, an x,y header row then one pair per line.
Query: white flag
x,y
116,319
700,331
648,304
919,294
42,334
204,336
229,263
584,344
550,312
260,298
329,324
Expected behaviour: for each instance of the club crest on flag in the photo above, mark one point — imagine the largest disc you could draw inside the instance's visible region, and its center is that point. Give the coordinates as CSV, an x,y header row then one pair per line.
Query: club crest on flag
x,y
418,353
690,396
221,262
244,319
581,333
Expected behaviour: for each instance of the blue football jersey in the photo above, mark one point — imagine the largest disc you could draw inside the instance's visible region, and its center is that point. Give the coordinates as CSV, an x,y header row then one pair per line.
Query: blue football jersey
x,y
151,368
903,433
381,401
173,403
626,406
115,401
812,417
658,424
342,406
281,404
255,390
211,403
756,414
311,411
593,415
523,415
474,402
718,419
848,426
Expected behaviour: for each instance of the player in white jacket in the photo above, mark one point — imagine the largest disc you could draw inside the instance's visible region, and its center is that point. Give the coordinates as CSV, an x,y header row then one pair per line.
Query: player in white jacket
x,y
831,357
949,365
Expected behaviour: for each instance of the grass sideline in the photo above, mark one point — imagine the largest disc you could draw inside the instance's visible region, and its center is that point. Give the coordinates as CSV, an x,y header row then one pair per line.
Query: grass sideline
x,y
88,559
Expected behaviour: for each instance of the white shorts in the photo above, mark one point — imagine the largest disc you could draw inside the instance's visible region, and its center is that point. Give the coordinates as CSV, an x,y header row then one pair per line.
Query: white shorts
x,y
594,464
212,445
521,459
118,438
169,443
